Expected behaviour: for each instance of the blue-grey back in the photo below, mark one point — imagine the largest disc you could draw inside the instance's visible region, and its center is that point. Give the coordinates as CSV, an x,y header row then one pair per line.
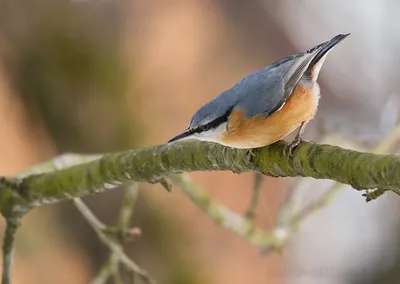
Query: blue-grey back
x,y
261,92
264,91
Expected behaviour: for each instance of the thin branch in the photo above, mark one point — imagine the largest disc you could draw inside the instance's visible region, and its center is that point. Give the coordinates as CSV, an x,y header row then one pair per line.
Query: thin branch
x,y
8,248
385,146
224,217
320,203
292,202
111,242
104,272
114,265
256,195
125,217
111,266
95,223
128,205
289,222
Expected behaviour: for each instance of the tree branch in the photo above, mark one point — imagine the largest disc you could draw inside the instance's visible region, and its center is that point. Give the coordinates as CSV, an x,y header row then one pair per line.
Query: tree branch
x,y
226,218
289,221
66,177
250,213
123,231
112,243
360,170
9,236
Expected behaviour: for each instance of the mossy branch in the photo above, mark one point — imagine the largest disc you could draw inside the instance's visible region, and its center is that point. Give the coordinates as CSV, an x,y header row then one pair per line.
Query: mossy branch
x,y
70,176
153,164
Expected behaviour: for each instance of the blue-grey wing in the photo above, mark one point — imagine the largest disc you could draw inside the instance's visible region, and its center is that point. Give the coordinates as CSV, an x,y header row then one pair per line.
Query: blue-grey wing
x,y
266,91
260,93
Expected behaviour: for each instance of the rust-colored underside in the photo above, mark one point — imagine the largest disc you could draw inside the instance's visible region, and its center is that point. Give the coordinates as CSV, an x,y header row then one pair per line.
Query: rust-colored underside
x,y
254,132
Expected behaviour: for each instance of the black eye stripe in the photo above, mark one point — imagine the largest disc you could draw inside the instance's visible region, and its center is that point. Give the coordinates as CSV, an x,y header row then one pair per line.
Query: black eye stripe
x,y
213,124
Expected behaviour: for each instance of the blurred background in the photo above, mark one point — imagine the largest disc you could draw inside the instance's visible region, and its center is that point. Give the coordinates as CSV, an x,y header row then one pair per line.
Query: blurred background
x,y
94,76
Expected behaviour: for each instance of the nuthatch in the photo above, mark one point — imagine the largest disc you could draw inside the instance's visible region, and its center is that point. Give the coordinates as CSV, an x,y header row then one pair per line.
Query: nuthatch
x,y
265,106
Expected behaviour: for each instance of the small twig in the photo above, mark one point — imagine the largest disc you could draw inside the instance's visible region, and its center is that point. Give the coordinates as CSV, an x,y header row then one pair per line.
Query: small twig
x,y
104,273
96,224
287,208
8,247
111,242
114,265
128,205
372,195
133,277
111,266
109,269
383,147
256,195
290,222
322,201
163,182
125,216
225,218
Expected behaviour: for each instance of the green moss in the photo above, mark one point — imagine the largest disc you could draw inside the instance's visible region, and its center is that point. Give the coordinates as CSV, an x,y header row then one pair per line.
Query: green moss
x,y
361,170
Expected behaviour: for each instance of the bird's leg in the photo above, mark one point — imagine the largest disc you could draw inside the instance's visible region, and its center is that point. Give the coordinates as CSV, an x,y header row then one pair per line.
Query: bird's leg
x,y
251,152
297,140
251,155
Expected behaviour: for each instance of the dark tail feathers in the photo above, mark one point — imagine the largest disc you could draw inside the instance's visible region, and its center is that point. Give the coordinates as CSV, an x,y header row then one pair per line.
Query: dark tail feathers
x,y
324,48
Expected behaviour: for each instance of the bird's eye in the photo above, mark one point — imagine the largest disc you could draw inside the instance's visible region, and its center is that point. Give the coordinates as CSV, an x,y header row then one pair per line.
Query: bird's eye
x,y
203,128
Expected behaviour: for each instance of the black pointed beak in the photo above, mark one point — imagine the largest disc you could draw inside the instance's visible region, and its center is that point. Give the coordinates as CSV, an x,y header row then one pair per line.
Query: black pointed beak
x,y
185,134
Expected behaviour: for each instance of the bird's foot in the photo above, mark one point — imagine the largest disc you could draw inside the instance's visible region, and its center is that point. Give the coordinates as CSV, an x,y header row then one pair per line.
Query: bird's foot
x,y
289,148
251,155
368,196
372,195
251,152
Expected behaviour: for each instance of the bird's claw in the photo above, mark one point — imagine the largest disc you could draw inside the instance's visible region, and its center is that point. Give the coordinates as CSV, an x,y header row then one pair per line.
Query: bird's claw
x,y
251,155
368,196
372,195
251,152
289,148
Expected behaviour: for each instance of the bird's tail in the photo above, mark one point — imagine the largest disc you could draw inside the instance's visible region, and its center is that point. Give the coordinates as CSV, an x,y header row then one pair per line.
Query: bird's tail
x,y
316,63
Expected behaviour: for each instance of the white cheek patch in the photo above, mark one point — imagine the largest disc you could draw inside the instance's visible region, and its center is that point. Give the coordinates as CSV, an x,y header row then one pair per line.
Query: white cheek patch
x,y
212,135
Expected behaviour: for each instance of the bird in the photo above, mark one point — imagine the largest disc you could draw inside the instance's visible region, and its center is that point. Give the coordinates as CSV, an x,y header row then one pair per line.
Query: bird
x,y
265,106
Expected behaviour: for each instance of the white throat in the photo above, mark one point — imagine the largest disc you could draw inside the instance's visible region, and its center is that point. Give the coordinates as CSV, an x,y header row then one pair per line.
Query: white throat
x,y
212,135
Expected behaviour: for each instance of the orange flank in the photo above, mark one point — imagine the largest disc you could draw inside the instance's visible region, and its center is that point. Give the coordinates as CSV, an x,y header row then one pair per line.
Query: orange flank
x,y
256,131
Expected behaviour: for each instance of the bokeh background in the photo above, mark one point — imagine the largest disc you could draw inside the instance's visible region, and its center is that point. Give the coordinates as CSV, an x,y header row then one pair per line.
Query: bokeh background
x,y
93,76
